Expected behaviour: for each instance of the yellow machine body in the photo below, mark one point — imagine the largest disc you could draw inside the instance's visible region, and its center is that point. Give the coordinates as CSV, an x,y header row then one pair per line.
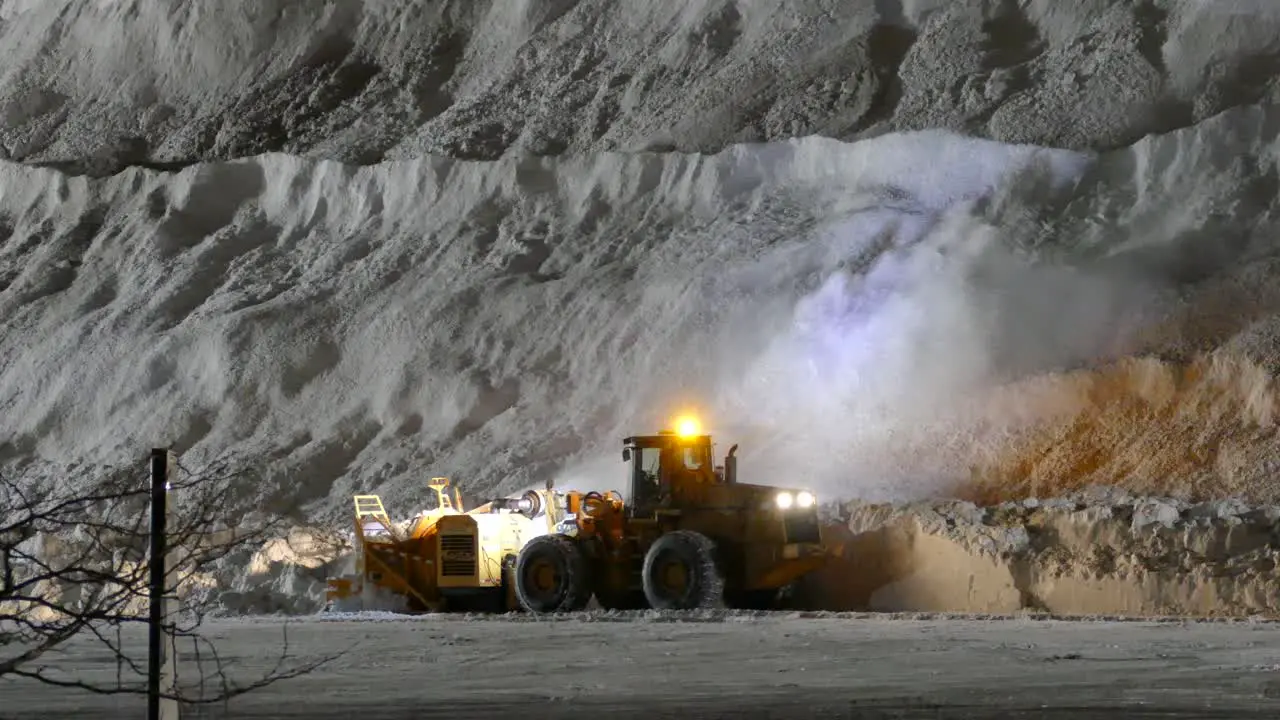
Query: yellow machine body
x,y
474,547
443,559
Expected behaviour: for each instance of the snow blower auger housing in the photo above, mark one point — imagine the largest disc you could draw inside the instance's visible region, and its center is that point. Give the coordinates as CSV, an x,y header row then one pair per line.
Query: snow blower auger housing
x,y
691,536
444,559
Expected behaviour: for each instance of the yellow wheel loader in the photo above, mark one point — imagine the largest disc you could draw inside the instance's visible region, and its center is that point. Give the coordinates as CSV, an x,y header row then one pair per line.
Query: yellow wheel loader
x,y
691,536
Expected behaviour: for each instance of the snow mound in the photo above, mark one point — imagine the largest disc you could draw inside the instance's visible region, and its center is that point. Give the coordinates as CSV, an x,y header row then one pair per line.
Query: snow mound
x,y
286,576
1095,552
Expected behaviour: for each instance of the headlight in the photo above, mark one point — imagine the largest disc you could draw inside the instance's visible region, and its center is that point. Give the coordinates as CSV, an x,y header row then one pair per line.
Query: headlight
x,y
784,500
805,499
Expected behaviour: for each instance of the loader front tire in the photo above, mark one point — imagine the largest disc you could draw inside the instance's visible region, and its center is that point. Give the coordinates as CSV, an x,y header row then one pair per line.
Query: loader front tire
x,y
551,576
681,573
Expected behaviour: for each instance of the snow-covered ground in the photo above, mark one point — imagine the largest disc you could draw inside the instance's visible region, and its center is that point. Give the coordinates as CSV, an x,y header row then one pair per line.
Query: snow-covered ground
x,y
728,666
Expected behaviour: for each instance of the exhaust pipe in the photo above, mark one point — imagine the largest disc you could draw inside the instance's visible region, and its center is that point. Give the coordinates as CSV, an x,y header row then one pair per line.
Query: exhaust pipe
x,y
731,466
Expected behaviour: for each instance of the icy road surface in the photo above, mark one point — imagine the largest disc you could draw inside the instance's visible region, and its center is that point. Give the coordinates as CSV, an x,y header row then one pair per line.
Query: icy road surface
x,y
736,666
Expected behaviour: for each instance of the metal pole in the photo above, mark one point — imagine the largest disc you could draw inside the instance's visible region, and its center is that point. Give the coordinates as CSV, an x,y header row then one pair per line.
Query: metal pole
x,y
159,513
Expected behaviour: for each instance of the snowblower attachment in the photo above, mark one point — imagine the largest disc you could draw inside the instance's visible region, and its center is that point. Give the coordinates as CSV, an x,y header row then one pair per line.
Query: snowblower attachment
x,y
440,560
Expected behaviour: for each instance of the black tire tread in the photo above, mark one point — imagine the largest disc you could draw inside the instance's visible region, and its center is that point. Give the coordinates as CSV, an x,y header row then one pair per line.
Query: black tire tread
x,y
578,586
700,552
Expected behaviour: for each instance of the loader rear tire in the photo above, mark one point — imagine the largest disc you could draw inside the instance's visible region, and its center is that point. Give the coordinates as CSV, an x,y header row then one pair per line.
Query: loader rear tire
x,y
551,576
681,573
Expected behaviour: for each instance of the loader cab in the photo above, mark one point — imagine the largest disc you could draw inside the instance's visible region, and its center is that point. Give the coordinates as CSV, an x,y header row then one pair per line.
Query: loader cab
x,y
658,463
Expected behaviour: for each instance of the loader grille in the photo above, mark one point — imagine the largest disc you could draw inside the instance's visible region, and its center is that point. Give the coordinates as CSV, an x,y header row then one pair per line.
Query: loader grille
x,y
802,528
458,555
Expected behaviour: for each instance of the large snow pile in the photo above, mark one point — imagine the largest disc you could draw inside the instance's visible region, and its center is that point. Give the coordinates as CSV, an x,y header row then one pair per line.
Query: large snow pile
x,y
1098,551
895,250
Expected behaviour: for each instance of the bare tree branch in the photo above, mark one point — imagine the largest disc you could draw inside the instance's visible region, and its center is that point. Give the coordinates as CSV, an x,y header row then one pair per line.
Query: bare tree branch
x,y
76,567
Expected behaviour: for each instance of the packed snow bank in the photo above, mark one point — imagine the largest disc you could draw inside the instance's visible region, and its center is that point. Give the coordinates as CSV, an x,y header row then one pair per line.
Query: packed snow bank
x,y
1096,552
96,85
287,575
1100,551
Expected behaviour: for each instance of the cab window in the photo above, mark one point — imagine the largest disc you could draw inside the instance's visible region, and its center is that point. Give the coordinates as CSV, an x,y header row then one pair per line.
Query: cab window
x,y
647,468
692,458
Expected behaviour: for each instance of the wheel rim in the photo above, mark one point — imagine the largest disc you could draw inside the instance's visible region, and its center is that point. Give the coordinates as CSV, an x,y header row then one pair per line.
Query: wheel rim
x,y
673,576
542,578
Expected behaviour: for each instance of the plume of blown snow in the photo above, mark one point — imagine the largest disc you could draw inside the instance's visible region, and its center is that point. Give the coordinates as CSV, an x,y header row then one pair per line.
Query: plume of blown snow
x,y
876,391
